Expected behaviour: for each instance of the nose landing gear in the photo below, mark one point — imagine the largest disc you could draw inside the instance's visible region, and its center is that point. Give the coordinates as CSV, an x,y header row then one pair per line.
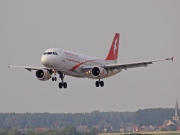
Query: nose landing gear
x,y
54,78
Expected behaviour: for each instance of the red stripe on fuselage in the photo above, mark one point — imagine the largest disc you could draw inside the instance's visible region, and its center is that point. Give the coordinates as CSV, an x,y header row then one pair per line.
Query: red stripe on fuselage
x,y
75,67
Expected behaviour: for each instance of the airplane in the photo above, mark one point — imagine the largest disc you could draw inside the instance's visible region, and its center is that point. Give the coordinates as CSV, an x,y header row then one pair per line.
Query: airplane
x,y
63,62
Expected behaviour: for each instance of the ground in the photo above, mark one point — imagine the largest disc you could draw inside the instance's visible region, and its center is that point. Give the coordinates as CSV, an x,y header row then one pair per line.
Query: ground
x,y
147,133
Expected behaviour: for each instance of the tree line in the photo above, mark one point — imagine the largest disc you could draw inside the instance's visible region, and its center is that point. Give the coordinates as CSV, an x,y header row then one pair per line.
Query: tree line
x,y
66,131
115,119
35,120
154,117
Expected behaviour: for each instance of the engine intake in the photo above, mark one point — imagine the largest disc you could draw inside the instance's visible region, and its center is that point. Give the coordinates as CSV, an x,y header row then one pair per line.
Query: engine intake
x,y
98,72
43,74
95,71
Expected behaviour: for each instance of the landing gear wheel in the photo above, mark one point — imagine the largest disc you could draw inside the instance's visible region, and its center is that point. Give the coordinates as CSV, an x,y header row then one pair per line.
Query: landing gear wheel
x,y
97,83
54,78
65,85
101,83
54,71
60,85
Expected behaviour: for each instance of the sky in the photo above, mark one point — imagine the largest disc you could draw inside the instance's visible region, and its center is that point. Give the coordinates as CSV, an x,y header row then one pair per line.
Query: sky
x,y
149,30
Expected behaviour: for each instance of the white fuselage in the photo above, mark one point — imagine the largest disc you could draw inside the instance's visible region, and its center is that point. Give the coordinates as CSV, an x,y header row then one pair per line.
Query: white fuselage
x,y
63,62
71,63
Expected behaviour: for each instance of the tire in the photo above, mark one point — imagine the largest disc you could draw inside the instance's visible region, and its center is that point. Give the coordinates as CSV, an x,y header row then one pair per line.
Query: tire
x,y
97,83
102,83
52,78
55,78
60,85
65,85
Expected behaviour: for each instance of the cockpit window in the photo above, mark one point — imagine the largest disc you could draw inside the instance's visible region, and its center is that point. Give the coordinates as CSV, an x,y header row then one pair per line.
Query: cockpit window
x,y
49,53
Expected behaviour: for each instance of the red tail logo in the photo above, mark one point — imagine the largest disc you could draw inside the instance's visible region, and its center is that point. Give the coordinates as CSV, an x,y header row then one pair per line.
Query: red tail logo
x,y
113,52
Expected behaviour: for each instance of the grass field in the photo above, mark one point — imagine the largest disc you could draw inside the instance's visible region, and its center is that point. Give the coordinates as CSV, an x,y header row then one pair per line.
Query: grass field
x,y
146,133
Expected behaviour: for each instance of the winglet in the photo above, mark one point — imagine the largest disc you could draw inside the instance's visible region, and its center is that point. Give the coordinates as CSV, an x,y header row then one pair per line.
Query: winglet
x,y
172,59
9,65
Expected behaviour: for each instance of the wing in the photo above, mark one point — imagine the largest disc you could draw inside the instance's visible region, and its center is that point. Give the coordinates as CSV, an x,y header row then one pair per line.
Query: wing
x,y
26,67
126,66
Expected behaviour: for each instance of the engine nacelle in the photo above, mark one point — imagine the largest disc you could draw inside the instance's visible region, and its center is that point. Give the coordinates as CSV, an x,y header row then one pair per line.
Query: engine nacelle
x,y
43,74
99,72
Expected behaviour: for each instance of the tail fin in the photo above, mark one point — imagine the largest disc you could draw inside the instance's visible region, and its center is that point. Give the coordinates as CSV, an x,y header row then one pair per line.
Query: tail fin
x,y
113,52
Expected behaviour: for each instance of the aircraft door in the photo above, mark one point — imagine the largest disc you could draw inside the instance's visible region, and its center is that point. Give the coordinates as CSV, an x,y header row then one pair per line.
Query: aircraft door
x,y
63,61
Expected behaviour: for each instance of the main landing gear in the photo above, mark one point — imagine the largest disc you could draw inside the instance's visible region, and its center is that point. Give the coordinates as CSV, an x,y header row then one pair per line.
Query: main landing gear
x,y
99,83
62,83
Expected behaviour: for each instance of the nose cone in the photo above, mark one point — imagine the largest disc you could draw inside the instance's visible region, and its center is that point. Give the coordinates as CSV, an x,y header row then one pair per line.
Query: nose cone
x,y
48,61
44,60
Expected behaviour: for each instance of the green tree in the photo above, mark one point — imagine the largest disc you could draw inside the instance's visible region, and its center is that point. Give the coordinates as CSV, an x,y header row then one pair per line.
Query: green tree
x,y
153,116
14,132
69,131
164,129
93,131
4,132
172,127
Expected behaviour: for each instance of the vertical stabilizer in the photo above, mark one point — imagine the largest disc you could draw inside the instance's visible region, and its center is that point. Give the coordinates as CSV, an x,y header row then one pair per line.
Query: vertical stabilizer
x,y
113,52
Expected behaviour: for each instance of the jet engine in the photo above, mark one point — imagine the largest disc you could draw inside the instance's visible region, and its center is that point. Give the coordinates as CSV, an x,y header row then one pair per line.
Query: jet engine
x,y
43,74
99,72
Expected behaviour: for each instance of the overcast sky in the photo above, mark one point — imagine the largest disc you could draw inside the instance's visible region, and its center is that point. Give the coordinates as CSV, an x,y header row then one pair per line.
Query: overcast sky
x,y
149,30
